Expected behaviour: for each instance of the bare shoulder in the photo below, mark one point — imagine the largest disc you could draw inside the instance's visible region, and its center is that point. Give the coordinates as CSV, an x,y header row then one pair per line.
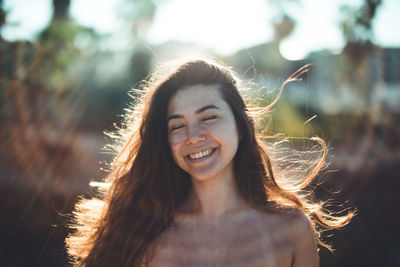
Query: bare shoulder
x,y
293,230
293,221
298,222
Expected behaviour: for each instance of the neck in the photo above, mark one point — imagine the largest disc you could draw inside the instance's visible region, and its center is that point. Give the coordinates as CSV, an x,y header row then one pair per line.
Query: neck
x,y
214,197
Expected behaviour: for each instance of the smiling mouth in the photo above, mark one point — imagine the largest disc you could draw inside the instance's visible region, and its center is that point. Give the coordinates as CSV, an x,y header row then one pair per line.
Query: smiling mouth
x,y
202,154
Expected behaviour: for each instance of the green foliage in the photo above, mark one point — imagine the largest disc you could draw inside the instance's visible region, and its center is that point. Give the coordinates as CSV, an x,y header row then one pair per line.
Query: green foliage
x,y
287,119
2,15
357,22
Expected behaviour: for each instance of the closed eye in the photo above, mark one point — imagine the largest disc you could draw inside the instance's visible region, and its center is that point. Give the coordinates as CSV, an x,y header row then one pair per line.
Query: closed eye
x,y
209,118
175,128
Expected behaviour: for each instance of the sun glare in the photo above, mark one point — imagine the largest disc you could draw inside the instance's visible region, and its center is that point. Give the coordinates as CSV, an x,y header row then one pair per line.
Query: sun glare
x,y
21,23
316,28
223,25
102,16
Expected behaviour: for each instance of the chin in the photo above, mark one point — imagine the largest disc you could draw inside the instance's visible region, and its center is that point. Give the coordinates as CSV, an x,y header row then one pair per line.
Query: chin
x,y
210,174
202,177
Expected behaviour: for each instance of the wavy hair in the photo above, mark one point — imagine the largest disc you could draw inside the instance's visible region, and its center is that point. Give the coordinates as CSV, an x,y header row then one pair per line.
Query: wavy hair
x,y
145,186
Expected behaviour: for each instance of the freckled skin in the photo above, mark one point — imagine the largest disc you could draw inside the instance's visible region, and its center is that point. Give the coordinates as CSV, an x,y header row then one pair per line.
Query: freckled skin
x,y
197,133
243,238
240,235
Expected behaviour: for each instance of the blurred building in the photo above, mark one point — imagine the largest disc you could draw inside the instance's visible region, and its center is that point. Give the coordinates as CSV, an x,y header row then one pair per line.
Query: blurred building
x,y
335,84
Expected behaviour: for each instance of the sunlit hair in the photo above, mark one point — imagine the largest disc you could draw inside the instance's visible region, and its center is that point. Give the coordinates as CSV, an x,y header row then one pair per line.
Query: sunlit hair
x,y
146,186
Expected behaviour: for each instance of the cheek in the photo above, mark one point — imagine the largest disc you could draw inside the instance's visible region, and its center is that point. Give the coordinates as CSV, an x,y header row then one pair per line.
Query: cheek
x,y
224,132
175,151
216,129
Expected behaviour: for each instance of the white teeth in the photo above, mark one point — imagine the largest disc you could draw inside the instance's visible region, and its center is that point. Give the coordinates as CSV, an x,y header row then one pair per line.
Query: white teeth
x,y
201,154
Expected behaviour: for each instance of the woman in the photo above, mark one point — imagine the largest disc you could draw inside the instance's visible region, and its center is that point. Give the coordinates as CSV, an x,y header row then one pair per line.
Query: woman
x,y
194,185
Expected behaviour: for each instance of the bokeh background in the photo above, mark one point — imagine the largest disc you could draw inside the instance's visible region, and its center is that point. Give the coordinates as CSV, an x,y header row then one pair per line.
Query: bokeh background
x,y
66,67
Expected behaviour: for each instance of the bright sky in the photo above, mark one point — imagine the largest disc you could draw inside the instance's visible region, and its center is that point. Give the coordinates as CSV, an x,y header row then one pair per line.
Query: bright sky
x,y
224,25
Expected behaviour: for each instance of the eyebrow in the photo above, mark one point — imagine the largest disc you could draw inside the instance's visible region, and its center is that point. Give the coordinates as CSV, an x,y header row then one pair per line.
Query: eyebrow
x,y
200,110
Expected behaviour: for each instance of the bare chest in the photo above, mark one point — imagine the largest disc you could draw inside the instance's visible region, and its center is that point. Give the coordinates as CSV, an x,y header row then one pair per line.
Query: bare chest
x,y
244,243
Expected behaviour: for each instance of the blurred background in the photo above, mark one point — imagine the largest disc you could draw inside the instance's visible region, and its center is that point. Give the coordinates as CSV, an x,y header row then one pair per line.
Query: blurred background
x,y
66,67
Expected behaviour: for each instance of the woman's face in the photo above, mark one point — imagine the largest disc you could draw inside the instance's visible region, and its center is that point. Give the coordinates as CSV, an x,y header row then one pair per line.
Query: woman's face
x,y
202,132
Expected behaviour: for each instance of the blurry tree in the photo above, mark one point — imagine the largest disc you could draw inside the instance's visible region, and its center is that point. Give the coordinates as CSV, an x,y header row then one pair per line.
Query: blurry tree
x,y
140,13
57,50
43,162
357,30
266,57
113,72
265,60
368,149
2,16
359,69
60,9
284,27
357,24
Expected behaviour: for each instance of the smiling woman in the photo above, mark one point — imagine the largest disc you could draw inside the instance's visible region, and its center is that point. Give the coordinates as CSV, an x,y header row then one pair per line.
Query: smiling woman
x,y
193,185
203,137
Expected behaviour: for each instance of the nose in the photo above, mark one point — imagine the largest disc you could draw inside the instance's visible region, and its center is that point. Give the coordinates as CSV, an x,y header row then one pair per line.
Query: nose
x,y
195,134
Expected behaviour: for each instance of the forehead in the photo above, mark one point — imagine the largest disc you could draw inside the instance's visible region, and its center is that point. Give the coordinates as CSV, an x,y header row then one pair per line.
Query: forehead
x,y
193,97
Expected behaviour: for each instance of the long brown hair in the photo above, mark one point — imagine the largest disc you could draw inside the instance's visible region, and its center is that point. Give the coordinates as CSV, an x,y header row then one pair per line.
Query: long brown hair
x,y
147,186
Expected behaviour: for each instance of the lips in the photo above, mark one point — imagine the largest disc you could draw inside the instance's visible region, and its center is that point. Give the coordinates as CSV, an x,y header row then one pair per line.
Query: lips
x,y
201,155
